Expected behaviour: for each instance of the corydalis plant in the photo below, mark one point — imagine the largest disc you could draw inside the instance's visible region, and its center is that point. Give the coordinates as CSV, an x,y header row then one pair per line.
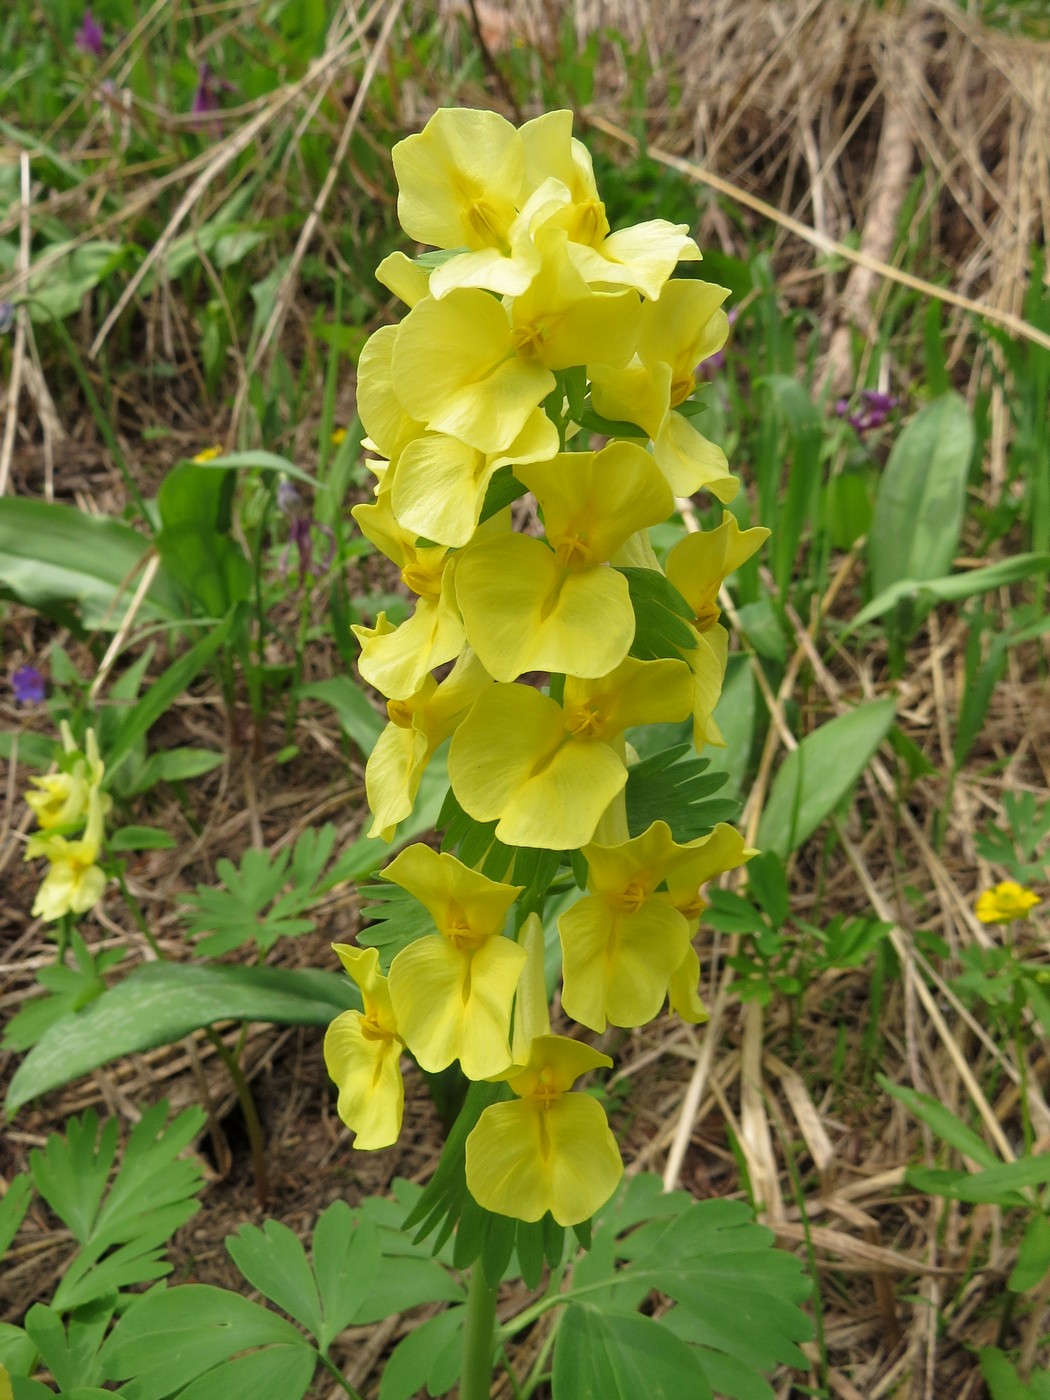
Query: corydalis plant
x,y
531,325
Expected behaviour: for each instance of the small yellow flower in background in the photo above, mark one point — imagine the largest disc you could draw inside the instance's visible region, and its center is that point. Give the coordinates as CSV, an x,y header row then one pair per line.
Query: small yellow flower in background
x,y
74,882
1003,902
362,1052
549,1149
338,436
208,454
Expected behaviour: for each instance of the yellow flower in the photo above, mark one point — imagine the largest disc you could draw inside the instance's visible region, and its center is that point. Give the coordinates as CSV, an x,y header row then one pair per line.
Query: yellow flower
x,y
549,1149
417,727
61,799
642,256
546,771
700,563
458,370
338,437
685,326
625,941
388,427
552,151
208,454
452,992
396,660
1003,902
532,1016
527,607
74,882
362,1052
459,179
406,279
439,486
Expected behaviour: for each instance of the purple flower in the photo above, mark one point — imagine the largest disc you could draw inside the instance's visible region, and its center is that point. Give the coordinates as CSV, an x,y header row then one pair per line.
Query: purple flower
x,y
206,98
89,38
300,534
877,407
288,499
28,685
7,316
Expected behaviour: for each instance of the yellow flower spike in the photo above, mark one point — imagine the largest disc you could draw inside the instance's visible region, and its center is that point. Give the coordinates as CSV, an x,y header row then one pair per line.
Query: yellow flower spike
x,y
458,369
417,727
387,425
439,487
452,993
683,990
74,883
406,279
1004,902
362,1052
643,256
699,564
549,1149
459,179
207,454
531,1011
547,773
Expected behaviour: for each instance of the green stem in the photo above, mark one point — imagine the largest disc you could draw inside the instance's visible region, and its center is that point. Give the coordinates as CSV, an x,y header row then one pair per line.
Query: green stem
x,y
331,1366
475,1382
139,916
251,1116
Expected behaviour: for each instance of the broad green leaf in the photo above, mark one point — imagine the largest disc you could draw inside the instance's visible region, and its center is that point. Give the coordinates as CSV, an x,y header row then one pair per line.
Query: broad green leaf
x,y
262,461
13,1206
194,539
160,1003
58,290
282,1372
71,1355
17,1352
165,691
953,587
140,838
919,504
408,1368
171,1336
1001,1378
816,776
346,1262
274,1261
943,1122
1033,1257
358,717
998,1185
79,569
173,766
607,1354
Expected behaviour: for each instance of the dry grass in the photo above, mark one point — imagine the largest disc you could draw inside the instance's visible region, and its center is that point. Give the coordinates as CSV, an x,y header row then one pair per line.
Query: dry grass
x,y
806,114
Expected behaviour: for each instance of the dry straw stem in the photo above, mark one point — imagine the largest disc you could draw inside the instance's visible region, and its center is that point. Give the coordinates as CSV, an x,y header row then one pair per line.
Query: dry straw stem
x,y
1016,324
323,70
14,388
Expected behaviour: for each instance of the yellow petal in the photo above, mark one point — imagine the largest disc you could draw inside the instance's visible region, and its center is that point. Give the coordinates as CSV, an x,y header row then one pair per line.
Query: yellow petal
x,y
555,1063
455,1004
634,394
593,501
362,966
642,256
459,179
531,1011
690,462
707,661
382,416
700,563
511,760
406,279
617,965
683,991
367,1071
523,1159
398,662
392,777
523,611
462,902
682,328
637,692
696,862
458,371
